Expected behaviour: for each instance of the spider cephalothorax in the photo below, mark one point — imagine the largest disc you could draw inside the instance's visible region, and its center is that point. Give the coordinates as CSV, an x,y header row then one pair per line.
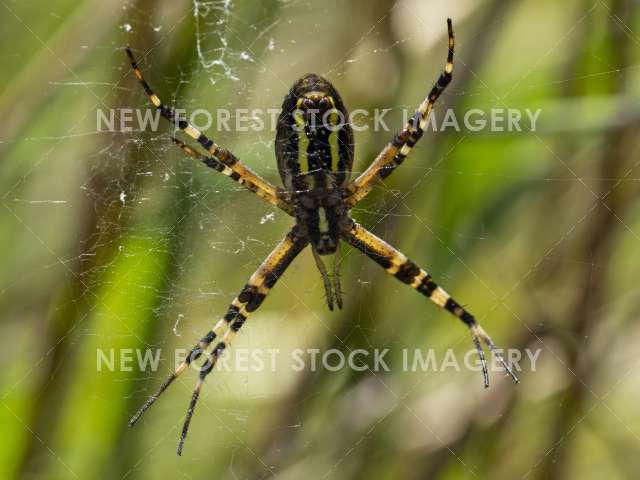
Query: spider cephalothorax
x,y
314,149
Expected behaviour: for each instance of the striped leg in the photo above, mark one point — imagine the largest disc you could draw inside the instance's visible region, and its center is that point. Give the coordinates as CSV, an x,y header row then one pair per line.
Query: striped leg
x,y
251,180
396,151
249,299
398,265
280,200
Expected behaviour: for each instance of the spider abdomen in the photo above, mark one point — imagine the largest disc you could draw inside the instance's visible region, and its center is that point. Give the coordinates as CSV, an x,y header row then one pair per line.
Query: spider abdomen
x,y
314,140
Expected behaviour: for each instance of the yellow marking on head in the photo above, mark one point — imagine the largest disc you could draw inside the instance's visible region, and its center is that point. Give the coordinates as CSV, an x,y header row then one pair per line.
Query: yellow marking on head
x,y
334,140
155,100
192,132
303,141
448,67
405,150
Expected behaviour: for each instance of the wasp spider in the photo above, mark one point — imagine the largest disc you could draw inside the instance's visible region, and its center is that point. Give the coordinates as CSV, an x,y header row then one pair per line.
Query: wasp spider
x,y
314,150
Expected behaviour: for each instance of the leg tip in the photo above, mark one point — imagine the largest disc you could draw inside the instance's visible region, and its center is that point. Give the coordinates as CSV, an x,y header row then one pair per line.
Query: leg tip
x,y
133,420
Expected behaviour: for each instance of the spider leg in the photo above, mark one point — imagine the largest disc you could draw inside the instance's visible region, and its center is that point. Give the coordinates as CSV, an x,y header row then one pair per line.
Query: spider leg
x,y
249,299
251,179
398,265
278,200
400,146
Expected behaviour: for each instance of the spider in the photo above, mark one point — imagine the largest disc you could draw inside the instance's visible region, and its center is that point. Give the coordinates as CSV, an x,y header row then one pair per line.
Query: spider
x,y
314,151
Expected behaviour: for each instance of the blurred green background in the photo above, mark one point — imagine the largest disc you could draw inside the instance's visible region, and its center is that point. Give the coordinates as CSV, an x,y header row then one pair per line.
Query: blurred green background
x,y
117,241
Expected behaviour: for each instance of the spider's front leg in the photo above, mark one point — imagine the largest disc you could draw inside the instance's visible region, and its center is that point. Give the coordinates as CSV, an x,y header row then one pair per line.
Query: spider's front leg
x,y
398,265
220,159
249,299
400,146
281,199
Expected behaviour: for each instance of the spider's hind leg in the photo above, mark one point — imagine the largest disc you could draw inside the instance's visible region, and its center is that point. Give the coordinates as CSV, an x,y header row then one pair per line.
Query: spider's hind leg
x,y
248,301
398,265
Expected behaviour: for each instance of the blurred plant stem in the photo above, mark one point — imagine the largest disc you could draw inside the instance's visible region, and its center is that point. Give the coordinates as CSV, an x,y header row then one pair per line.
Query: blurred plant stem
x,y
88,25
612,198
99,228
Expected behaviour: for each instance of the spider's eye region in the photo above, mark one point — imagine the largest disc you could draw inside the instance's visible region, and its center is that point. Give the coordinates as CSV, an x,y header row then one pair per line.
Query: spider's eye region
x,y
316,112
324,103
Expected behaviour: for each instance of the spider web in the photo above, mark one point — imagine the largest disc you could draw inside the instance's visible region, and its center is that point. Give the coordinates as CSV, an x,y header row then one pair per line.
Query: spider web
x,y
214,15
224,232
161,244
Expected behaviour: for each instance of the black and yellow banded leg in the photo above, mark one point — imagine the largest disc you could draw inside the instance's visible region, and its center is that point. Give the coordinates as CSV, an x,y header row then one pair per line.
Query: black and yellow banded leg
x,y
249,299
398,265
279,200
222,155
400,146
